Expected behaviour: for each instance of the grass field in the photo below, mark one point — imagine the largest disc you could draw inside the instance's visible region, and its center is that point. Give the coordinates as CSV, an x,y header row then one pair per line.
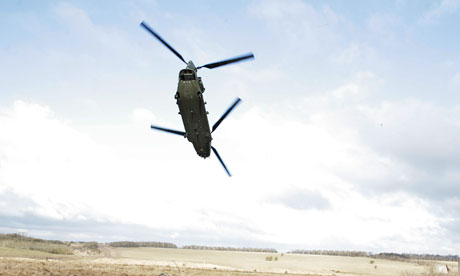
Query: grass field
x,y
153,261
250,261
25,253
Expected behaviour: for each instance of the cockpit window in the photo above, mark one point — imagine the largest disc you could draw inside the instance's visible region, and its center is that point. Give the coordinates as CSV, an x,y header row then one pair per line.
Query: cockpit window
x,y
187,77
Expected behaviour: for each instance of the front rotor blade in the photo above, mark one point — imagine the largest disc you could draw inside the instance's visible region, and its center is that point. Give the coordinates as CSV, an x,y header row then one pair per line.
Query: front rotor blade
x,y
150,30
168,130
227,61
237,101
220,159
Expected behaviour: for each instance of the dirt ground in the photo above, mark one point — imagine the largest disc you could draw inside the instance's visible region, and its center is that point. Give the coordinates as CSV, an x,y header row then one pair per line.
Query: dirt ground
x,y
21,266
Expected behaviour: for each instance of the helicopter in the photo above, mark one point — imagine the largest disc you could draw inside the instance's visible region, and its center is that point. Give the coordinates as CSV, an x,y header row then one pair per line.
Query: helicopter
x,y
189,98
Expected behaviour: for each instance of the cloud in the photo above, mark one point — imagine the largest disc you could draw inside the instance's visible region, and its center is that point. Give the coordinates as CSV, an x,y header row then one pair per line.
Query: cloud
x,y
403,144
441,8
350,145
375,171
19,214
26,219
301,28
456,79
304,200
12,204
143,115
416,143
339,165
54,178
76,17
354,53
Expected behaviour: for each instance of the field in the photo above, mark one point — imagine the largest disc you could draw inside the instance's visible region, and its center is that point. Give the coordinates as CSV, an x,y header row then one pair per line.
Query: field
x,y
185,262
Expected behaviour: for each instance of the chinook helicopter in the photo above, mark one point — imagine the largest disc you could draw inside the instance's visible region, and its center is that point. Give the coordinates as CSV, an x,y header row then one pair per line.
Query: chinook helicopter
x,y
189,97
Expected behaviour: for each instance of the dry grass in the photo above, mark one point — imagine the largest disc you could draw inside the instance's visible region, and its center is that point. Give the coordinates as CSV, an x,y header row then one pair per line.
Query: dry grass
x,y
9,267
22,242
292,263
181,262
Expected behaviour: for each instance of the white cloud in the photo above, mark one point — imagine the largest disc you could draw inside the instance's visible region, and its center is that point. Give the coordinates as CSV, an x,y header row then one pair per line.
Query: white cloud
x,y
160,186
399,141
143,115
335,153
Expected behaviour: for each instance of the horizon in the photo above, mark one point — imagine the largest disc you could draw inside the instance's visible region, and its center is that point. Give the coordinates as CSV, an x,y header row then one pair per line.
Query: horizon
x,y
250,249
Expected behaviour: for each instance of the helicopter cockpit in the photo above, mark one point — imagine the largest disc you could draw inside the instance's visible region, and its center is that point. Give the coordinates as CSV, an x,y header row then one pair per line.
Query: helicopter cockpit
x,y
187,75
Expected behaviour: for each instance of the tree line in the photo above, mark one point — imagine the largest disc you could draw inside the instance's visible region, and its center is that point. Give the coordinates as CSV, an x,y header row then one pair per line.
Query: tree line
x,y
195,247
332,253
142,244
21,237
224,248
384,255
431,257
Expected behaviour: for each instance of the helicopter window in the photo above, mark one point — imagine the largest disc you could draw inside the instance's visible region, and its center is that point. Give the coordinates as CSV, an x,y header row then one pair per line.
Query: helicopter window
x,y
187,77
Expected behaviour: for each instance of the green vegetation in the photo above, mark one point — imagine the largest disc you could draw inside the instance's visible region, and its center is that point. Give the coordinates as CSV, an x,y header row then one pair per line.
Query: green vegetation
x,y
19,241
24,253
90,246
270,258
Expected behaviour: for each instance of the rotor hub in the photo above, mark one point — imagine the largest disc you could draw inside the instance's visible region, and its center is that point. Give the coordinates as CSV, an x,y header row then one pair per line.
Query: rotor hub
x,y
191,66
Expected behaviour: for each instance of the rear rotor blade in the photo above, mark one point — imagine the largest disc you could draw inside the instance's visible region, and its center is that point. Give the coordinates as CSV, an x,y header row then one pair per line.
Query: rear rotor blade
x,y
237,101
177,132
150,30
220,159
227,61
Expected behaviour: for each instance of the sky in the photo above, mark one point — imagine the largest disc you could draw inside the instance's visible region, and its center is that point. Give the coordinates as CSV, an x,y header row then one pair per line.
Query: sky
x,y
348,136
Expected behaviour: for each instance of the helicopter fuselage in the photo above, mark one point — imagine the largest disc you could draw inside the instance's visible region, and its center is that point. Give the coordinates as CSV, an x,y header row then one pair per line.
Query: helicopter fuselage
x,y
192,109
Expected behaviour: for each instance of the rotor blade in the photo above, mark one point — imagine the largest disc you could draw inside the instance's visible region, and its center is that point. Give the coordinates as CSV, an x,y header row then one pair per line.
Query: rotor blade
x,y
168,130
227,61
150,30
220,159
237,101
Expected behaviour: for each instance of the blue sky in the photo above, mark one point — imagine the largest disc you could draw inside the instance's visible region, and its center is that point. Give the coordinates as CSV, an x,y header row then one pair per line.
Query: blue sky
x,y
347,138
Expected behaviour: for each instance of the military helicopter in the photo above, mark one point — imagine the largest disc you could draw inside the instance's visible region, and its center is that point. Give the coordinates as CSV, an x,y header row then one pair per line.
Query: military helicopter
x,y
189,97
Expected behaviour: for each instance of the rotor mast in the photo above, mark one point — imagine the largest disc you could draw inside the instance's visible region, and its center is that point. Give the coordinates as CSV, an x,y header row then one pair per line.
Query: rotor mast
x,y
191,66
